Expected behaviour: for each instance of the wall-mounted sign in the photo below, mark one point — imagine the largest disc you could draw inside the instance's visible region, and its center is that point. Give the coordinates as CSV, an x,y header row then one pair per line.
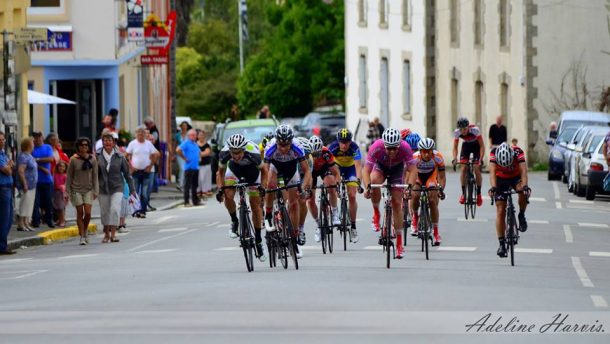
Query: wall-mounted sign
x,y
135,21
153,59
159,34
56,41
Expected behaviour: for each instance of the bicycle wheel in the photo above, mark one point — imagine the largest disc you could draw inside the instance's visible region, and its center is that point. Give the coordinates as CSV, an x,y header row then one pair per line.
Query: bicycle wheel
x,y
510,237
245,236
329,233
344,230
323,226
291,240
426,242
473,202
271,248
282,239
468,198
293,252
406,220
388,235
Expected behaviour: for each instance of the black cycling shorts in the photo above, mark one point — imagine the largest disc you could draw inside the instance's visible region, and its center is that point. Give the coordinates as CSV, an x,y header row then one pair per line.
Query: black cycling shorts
x,y
503,185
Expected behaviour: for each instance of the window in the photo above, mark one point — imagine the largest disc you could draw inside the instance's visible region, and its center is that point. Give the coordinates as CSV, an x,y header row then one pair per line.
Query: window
x,y
454,101
406,86
383,13
362,85
453,21
362,11
46,3
406,14
478,22
504,101
504,23
385,92
47,7
478,106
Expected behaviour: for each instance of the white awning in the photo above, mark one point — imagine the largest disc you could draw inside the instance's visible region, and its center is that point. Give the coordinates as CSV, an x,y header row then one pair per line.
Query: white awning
x,y
42,98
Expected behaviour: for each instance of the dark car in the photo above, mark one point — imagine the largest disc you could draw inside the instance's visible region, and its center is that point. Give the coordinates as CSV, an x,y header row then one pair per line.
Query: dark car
x,y
569,122
324,125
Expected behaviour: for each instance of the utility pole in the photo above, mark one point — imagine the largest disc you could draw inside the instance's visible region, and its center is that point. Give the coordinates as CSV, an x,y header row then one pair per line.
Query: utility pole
x,y
241,37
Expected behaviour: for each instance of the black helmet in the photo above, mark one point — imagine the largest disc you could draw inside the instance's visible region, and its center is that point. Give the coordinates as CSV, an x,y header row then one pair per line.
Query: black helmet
x,y
284,133
463,122
344,135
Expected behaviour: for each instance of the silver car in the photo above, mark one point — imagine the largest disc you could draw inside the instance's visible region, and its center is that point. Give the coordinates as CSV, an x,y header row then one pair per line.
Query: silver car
x,y
574,151
592,167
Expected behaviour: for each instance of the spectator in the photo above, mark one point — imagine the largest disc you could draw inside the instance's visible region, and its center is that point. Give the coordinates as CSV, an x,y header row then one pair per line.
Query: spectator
x,y
142,156
113,173
60,195
109,120
43,154
189,152
552,131
264,113
497,133
6,197
82,185
155,139
380,127
153,173
125,207
58,153
181,136
606,148
27,173
373,133
204,188
514,142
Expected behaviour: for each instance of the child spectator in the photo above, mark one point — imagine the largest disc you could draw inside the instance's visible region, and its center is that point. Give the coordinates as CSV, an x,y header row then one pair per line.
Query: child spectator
x,y
60,197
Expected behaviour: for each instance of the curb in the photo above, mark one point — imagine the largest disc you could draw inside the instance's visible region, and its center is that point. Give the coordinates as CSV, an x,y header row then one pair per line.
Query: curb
x,y
48,237
170,206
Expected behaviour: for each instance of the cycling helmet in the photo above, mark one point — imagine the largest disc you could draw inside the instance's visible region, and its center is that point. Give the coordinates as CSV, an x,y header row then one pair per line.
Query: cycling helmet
x,y
237,141
391,137
504,155
269,135
284,133
413,140
426,144
404,133
316,144
463,122
344,135
303,142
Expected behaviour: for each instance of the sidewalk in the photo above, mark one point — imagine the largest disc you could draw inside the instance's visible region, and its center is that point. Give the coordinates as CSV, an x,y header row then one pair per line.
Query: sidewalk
x,y
168,197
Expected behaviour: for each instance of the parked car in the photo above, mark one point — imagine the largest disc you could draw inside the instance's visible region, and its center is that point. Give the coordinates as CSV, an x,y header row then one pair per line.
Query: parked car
x,y
321,124
291,121
592,167
253,129
576,155
574,146
568,123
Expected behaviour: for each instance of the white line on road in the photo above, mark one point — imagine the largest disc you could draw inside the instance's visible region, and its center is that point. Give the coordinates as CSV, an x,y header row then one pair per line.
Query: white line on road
x,y
582,274
456,249
168,230
538,222
232,248
156,251
373,248
359,219
15,260
595,225
164,219
599,254
599,301
558,205
212,224
534,250
461,219
79,256
532,199
161,239
556,190
568,232
33,273
225,225
581,201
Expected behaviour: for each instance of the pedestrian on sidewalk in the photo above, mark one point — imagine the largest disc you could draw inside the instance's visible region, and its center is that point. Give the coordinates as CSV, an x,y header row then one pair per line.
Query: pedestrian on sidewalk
x,y
58,154
6,196
179,138
82,185
60,196
153,172
189,152
43,155
113,173
142,156
204,188
27,173
156,141
497,133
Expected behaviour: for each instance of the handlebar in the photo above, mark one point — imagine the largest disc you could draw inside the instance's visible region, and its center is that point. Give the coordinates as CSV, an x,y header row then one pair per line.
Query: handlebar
x,y
240,186
508,192
326,186
380,186
282,188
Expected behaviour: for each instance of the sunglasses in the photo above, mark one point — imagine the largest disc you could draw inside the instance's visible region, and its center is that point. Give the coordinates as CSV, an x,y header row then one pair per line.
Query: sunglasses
x,y
236,151
83,145
284,144
391,149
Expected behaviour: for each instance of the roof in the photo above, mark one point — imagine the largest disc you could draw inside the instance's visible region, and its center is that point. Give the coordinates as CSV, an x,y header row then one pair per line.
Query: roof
x,y
251,123
585,115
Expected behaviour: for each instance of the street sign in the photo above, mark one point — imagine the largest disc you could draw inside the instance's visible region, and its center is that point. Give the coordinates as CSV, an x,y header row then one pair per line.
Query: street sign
x,y
154,59
30,34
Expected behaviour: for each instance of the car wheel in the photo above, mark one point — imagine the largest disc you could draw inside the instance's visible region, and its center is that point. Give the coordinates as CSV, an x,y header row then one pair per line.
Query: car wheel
x,y
579,190
571,186
564,178
550,176
590,193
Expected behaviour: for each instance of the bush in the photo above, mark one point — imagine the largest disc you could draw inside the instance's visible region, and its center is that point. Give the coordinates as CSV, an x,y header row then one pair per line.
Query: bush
x,y
540,166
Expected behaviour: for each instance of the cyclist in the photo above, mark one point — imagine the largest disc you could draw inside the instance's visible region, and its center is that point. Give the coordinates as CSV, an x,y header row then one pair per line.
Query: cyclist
x,y
508,169
283,158
240,161
413,139
473,144
348,157
430,166
267,140
324,167
387,158
303,143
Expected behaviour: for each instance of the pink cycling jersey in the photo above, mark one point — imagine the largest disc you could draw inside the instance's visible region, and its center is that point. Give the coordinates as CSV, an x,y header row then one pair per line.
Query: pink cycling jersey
x,y
378,155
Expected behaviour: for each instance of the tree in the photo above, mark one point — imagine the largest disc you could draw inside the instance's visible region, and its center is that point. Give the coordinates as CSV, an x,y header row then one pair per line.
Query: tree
x,y
183,14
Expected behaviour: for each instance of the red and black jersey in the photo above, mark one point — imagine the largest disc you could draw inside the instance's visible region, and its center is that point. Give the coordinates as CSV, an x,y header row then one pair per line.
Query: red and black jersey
x,y
323,159
512,171
473,134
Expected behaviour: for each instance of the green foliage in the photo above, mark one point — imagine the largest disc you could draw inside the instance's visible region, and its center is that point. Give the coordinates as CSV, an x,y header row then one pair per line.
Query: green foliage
x,y
541,166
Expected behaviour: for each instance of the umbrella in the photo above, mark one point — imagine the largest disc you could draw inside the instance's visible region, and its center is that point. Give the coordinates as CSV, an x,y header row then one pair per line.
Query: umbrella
x,y
42,98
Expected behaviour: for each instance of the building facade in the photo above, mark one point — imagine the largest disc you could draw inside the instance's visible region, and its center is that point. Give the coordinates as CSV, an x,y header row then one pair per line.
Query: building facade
x,y
389,50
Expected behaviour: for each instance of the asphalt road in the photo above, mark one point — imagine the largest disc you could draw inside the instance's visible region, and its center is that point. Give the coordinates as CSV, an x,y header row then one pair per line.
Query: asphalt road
x,y
177,277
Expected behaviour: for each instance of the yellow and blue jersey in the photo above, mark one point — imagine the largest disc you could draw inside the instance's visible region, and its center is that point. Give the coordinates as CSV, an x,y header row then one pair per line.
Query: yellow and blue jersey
x,y
347,158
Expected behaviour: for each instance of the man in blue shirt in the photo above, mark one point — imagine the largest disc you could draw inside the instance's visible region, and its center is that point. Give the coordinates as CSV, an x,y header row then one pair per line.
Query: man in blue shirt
x,y
190,152
43,154
6,196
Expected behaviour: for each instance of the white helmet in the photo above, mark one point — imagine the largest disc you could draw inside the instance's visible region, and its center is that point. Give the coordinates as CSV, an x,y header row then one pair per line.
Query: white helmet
x,y
504,155
303,142
237,141
426,144
391,137
316,144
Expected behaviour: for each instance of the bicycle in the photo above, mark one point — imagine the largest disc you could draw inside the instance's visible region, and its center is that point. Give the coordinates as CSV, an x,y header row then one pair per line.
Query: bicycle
x,y
511,233
470,201
406,218
325,219
282,241
387,232
424,225
246,230
344,228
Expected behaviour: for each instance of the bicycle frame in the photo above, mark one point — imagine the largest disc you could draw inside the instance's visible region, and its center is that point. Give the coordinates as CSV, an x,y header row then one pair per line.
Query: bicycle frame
x,y
387,232
344,228
511,232
470,204
246,230
424,226
283,237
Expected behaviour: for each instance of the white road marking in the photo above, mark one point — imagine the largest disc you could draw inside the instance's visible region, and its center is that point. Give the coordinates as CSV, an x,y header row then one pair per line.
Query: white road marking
x,y
168,230
534,250
599,254
374,248
556,190
225,225
161,239
15,260
558,205
581,201
568,232
456,249
164,219
532,199
359,219
538,222
595,225
599,301
232,248
212,224
582,274
33,273
156,251
461,219
79,256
